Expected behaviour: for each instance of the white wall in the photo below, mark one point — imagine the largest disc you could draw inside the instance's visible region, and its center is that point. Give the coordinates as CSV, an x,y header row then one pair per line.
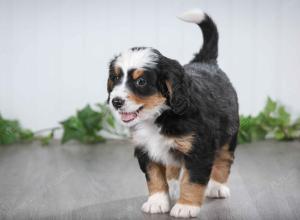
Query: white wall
x,y
54,53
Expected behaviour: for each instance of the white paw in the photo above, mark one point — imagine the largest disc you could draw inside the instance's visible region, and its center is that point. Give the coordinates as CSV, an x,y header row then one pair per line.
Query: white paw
x,y
184,211
173,189
217,190
157,203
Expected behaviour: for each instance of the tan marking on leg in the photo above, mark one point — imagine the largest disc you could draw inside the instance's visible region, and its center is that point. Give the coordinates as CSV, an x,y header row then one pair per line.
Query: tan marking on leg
x,y
172,172
190,193
137,73
184,143
157,178
148,102
222,163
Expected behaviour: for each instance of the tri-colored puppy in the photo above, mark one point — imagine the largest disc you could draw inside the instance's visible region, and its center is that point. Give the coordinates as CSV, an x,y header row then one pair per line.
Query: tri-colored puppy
x,y
183,119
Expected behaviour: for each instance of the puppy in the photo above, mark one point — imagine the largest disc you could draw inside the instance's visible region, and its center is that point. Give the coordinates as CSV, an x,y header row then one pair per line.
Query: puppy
x,y
183,119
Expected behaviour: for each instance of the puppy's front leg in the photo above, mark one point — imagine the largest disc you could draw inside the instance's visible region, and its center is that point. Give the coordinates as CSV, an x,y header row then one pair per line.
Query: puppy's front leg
x,y
158,200
190,200
193,184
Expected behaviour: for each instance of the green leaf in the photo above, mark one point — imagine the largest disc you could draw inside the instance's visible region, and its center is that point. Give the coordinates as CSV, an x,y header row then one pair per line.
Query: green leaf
x,y
90,119
279,135
93,139
270,106
11,132
26,135
107,115
45,140
243,137
283,116
73,129
273,120
87,124
296,124
110,120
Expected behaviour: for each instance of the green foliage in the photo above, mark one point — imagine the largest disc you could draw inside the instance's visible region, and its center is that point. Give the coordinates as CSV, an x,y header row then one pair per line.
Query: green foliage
x,y
273,121
11,132
107,115
46,139
86,125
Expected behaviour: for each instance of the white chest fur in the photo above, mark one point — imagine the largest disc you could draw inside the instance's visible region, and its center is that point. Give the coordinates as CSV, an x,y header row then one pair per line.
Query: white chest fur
x,y
147,135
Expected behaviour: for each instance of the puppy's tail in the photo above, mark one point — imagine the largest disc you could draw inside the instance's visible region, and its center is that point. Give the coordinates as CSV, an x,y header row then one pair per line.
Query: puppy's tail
x,y
209,50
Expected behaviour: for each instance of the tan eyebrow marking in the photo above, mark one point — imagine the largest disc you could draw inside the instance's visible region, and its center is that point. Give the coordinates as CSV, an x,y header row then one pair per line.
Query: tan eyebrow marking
x,y
117,71
137,73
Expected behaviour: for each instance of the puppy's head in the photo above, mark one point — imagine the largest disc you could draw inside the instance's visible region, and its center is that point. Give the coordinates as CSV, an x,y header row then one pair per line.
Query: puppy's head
x,y
142,84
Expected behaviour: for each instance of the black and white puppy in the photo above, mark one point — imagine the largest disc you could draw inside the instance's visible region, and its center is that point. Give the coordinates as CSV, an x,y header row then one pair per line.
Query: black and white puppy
x,y
183,119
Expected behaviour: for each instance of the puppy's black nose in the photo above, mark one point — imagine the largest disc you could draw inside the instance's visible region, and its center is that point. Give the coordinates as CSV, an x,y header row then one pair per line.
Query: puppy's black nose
x,y
118,102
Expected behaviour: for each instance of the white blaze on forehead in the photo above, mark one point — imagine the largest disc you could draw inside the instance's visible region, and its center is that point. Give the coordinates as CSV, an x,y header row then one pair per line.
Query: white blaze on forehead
x,y
136,58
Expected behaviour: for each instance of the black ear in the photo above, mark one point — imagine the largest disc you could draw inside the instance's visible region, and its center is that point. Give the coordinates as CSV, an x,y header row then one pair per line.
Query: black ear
x,y
176,85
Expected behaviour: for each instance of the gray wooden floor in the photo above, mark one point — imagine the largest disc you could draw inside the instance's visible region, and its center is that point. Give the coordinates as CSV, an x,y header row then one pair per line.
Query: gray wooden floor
x,y
74,181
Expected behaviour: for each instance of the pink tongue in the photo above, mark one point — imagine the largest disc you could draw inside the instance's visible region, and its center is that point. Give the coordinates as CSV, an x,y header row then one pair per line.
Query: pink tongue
x,y
128,116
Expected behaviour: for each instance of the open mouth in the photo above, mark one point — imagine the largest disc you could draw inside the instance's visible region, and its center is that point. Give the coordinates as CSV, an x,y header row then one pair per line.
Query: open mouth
x,y
129,116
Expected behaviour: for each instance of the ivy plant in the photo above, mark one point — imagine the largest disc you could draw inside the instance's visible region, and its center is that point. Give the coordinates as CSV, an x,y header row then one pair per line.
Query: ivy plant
x,y
88,125
12,132
83,127
273,121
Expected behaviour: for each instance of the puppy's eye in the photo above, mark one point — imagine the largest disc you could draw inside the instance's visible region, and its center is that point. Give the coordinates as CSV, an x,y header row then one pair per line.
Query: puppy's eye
x,y
114,77
141,82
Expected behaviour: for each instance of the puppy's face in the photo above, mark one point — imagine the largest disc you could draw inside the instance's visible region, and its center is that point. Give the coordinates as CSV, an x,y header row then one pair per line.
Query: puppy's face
x,y
134,86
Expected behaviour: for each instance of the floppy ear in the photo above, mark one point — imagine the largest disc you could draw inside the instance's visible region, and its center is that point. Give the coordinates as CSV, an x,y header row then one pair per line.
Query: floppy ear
x,y
111,72
176,85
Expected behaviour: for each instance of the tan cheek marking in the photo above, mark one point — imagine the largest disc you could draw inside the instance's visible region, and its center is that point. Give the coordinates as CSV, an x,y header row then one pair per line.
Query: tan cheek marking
x,y
172,172
184,143
222,163
157,178
190,193
149,101
137,73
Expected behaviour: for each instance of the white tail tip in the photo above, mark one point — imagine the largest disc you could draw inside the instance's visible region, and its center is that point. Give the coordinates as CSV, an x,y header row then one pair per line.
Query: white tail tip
x,y
193,16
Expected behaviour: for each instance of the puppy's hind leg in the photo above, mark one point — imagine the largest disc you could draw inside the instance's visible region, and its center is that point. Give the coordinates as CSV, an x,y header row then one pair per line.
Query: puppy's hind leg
x,y
217,187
